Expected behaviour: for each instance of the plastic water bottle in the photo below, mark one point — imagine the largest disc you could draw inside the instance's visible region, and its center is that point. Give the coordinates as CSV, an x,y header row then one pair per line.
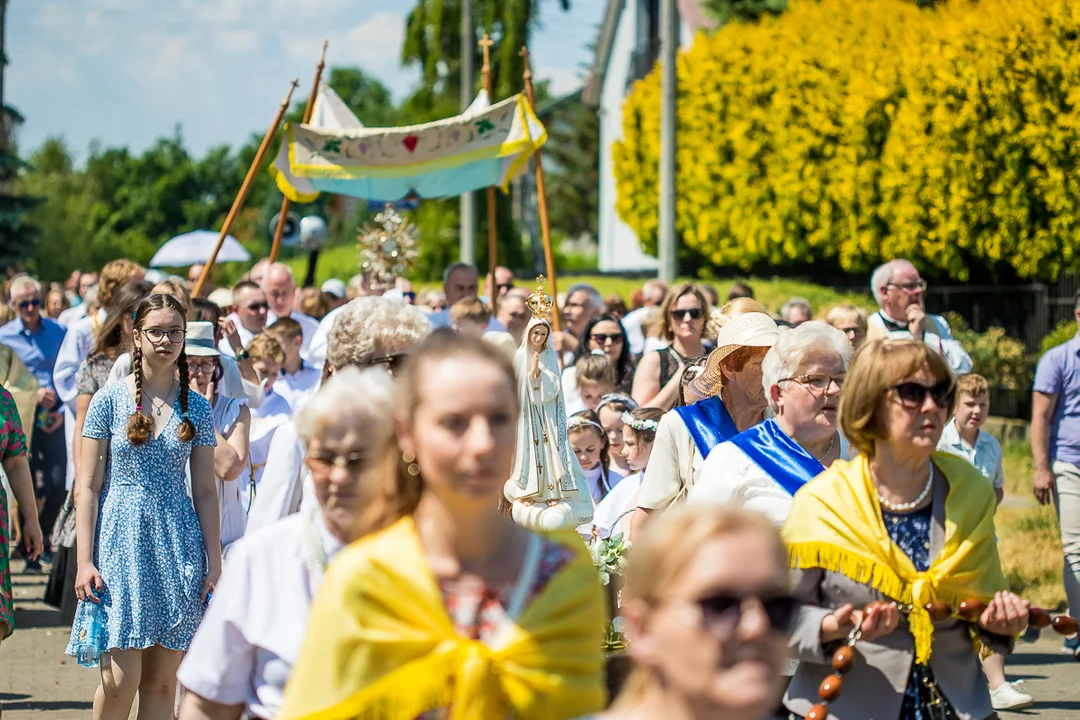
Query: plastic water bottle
x,y
91,632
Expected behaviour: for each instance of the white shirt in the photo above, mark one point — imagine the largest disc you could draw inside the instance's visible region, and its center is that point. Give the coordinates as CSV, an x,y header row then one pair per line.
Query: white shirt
x,y
231,508
72,315
298,387
937,335
308,325
281,487
635,336
728,476
245,336
253,631
441,319
76,347
317,350
265,421
621,499
986,455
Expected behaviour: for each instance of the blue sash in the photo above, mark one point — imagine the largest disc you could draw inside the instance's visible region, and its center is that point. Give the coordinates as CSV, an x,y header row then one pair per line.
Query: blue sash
x,y
709,423
778,455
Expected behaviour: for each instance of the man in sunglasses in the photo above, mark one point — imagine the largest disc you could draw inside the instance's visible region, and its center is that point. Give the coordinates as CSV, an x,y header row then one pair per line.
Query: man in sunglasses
x,y
36,340
248,316
901,299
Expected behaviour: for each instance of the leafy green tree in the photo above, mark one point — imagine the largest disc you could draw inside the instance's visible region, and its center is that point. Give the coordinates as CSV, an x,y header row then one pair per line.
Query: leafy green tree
x,y
18,234
571,156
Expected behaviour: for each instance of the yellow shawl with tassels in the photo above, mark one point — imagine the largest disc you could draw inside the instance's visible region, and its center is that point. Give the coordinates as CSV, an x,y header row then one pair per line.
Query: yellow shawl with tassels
x,y
835,524
380,644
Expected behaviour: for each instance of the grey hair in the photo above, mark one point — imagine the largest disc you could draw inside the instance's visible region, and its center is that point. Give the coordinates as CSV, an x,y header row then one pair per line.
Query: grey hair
x,y
796,303
883,275
23,282
455,267
792,347
370,325
596,300
360,399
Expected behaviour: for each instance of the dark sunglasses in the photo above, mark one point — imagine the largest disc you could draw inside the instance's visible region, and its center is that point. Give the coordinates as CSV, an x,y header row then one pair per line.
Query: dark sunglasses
x,y
913,395
326,461
410,296
27,304
505,286
602,338
258,307
392,363
694,313
722,611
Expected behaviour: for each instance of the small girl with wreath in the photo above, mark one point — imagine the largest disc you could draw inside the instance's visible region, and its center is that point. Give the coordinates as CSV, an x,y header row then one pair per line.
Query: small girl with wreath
x,y
639,432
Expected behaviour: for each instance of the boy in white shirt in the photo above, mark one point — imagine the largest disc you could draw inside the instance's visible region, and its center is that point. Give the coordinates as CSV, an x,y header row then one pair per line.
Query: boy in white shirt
x,y
267,357
963,436
298,379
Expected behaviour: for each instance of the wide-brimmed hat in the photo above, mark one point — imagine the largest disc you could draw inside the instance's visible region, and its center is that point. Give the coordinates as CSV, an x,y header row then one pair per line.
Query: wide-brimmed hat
x,y
749,330
200,340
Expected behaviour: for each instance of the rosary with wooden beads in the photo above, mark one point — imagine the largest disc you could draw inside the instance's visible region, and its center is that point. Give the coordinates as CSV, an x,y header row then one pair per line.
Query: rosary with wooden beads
x,y
969,610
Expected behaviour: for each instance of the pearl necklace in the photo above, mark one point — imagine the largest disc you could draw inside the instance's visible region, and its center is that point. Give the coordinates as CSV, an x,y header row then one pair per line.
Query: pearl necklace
x,y
908,506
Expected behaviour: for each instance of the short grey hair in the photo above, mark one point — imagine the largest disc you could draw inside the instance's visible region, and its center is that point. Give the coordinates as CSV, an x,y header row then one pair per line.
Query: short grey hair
x,y
793,304
368,326
792,347
458,266
22,283
361,399
596,300
883,275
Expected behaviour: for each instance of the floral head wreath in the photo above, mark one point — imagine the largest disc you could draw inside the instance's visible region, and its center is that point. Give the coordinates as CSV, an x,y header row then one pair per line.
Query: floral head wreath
x,y
639,425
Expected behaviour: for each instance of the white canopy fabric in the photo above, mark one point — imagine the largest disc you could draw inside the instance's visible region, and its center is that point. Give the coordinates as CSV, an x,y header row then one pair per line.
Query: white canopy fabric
x,y
194,248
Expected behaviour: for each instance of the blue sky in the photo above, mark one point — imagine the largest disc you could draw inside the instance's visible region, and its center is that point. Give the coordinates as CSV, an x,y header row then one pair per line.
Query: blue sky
x,y
126,72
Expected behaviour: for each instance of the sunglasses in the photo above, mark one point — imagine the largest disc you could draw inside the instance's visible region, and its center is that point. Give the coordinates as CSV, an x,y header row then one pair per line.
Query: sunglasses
x,y
324,462
410,296
505,286
27,304
692,313
721,612
392,363
602,338
258,307
912,394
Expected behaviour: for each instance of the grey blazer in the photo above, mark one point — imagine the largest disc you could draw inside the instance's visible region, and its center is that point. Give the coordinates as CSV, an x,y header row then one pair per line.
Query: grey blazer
x,y
874,688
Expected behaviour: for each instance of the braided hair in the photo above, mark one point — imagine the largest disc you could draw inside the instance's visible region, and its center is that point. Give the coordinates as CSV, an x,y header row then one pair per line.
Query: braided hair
x,y
141,426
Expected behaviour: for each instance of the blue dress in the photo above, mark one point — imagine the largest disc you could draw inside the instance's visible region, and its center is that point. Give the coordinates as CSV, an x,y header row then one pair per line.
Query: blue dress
x,y
149,544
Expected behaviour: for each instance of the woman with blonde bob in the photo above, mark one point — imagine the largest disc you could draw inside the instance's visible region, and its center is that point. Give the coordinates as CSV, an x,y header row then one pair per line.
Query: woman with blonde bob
x,y
453,606
707,608
246,646
904,525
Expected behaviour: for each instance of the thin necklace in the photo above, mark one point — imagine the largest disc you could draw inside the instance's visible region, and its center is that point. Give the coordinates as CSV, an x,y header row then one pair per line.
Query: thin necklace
x,y
832,442
159,407
905,507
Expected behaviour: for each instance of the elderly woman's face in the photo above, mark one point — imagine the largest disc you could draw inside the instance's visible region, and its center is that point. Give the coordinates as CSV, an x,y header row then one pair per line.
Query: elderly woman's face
x,y
341,461
911,416
749,377
810,400
538,337
711,638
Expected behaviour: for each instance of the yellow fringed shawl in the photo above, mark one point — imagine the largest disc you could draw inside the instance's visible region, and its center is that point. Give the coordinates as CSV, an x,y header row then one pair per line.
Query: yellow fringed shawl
x,y
835,524
380,644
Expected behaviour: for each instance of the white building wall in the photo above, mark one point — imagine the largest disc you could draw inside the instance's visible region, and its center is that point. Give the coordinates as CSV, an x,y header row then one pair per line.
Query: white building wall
x,y
619,250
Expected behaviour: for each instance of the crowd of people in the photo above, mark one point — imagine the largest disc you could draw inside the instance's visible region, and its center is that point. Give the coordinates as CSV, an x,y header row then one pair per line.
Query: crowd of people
x,y
284,502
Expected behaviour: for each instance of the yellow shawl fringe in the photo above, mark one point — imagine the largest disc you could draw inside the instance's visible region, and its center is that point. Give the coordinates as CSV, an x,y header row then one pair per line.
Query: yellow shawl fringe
x,y
835,525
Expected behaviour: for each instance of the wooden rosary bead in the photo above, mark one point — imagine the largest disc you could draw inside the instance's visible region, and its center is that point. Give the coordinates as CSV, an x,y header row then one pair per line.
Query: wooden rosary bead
x,y
971,609
818,712
1038,618
843,659
938,610
1065,625
830,687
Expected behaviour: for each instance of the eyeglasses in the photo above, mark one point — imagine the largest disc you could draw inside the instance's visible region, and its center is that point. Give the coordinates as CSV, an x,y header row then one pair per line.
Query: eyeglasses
x,y
817,382
156,335
324,462
258,307
692,313
202,365
392,363
410,296
912,394
603,338
32,302
723,611
505,286
909,287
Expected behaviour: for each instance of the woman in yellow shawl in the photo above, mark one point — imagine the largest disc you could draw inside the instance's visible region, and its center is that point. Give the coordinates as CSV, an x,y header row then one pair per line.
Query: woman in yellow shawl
x,y
899,523
453,610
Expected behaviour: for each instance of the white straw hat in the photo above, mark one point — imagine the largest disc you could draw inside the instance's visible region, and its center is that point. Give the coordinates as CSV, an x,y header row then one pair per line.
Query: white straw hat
x,y
200,340
749,330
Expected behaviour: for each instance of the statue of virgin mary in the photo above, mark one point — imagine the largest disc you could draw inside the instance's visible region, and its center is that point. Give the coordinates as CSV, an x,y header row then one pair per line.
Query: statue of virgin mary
x,y
548,489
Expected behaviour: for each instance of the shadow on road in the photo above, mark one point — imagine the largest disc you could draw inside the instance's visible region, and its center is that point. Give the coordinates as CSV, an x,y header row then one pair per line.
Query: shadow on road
x,y
1043,659
42,706
39,618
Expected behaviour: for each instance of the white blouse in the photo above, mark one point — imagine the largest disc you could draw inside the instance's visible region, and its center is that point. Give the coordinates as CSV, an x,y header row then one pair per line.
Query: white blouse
x,y
245,647
621,499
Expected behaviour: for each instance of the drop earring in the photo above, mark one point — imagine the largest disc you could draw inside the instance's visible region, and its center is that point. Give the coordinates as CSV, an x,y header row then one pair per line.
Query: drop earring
x,y
410,459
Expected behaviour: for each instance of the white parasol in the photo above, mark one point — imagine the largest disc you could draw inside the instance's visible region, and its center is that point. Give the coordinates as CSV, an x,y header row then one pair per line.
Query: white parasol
x,y
195,247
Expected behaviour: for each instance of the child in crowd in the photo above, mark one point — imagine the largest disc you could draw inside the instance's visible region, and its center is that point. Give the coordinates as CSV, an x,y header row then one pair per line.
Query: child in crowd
x,y
639,432
267,356
298,380
963,436
610,411
590,444
595,378
470,317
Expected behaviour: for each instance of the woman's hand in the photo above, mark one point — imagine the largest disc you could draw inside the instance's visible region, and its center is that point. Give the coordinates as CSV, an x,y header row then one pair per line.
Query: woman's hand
x,y
87,581
837,624
32,537
212,575
534,366
1007,614
876,620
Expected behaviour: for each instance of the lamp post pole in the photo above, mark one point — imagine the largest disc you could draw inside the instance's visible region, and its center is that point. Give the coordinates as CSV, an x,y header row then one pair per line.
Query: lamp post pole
x,y
468,203
669,45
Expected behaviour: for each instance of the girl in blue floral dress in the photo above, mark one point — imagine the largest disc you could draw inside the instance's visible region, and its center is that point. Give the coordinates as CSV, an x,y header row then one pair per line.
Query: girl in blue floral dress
x,y
148,553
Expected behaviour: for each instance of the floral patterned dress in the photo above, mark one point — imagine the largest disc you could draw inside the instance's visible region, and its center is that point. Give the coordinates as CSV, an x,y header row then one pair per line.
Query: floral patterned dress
x,y
12,444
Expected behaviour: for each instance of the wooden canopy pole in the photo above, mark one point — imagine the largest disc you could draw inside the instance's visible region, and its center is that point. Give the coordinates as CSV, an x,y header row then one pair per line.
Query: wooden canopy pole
x,y
486,44
286,203
541,199
245,188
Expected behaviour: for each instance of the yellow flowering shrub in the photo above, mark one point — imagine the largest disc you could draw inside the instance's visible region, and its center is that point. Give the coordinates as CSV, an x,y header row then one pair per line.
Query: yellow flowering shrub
x,y
845,133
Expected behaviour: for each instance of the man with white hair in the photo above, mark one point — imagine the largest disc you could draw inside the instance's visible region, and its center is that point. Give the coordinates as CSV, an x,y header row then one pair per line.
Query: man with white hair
x,y
653,292
460,281
901,297
36,341
280,287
